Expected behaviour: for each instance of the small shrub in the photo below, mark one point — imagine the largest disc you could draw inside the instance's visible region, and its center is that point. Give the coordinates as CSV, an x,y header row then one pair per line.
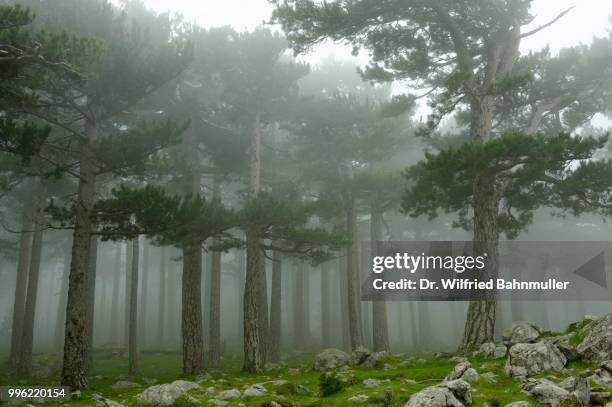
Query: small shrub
x,y
330,383
495,403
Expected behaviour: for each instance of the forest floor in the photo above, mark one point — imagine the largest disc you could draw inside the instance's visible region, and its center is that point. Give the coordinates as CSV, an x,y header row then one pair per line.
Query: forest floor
x,y
295,384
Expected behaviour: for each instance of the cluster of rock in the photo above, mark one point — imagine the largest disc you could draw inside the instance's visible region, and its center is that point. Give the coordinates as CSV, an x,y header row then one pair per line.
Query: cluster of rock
x,y
333,358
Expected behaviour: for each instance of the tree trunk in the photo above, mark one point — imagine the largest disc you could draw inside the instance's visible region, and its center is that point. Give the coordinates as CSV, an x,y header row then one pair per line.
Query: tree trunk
x,y
91,297
61,303
133,325
262,313
253,353
380,338
115,318
300,338
24,366
480,322
74,364
214,351
129,250
193,352
161,317
274,351
21,285
326,307
354,317
142,325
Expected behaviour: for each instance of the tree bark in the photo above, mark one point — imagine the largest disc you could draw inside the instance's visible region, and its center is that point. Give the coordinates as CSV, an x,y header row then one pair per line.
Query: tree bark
x,y
253,353
133,325
380,337
74,364
161,315
91,297
193,352
480,322
115,326
354,317
142,324
21,285
274,351
129,250
300,331
27,335
61,303
326,307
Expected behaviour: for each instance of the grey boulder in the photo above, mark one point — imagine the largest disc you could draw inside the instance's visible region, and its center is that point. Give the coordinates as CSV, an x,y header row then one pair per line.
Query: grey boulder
x,y
527,359
455,393
165,394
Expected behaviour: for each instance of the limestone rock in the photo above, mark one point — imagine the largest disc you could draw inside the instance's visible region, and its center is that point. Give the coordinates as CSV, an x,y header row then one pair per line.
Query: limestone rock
x,y
165,394
526,359
521,332
596,346
545,391
331,359
455,393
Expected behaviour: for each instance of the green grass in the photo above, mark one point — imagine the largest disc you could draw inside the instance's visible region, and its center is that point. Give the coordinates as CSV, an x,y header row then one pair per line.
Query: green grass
x,y
404,375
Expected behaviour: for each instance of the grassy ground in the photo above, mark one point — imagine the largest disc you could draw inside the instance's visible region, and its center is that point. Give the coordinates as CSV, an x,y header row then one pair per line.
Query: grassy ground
x,y
404,375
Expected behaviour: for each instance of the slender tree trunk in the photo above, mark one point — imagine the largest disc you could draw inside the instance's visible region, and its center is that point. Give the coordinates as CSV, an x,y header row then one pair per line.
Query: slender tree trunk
x,y
61,303
299,317
142,325
274,351
126,310
91,297
354,317
253,353
27,335
480,322
133,325
161,317
380,339
214,351
262,303
344,304
326,307
21,285
74,364
193,352
115,317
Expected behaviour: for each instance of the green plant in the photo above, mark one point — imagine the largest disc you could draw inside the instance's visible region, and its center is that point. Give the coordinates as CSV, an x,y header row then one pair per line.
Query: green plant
x,y
330,383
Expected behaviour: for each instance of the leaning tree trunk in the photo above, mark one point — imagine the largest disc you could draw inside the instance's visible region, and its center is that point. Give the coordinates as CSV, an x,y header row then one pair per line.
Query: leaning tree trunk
x,y
380,333
74,372
24,366
91,301
253,354
480,322
21,285
274,349
133,325
354,317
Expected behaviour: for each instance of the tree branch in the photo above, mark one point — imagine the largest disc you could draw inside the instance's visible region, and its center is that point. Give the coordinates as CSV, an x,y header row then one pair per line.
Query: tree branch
x,y
548,24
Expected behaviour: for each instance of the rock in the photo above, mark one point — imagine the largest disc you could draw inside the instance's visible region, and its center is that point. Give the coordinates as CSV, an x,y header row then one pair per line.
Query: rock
x,y
607,366
280,382
455,393
255,390
373,358
601,377
359,355
500,351
331,359
569,384
458,359
489,377
230,394
124,384
596,346
218,403
202,377
149,381
599,398
463,370
518,404
545,391
520,332
359,398
570,352
371,383
582,392
165,394
301,389
526,359
491,350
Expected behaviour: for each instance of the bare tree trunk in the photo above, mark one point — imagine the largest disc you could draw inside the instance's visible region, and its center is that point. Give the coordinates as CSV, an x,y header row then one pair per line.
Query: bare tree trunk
x,y
300,333
126,309
326,307
214,345
161,317
354,317
480,322
253,353
344,304
74,364
133,324
91,297
115,318
274,351
193,345
24,366
21,285
380,339
262,303
142,325
61,303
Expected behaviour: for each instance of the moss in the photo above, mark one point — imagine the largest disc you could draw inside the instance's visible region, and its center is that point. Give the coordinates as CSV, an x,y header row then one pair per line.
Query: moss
x,y
287,389
330,383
